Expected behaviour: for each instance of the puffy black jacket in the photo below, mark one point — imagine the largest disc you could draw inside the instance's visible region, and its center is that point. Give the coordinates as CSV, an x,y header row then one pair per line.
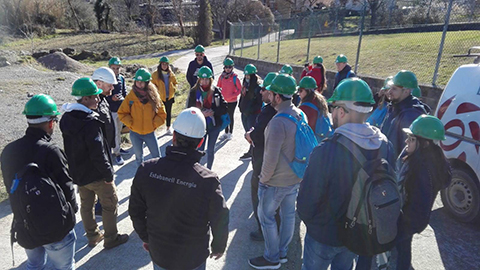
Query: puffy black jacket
x,y
105,115
257,135
193,68
399,116
327,186
22,151
251,102
87,152
174,203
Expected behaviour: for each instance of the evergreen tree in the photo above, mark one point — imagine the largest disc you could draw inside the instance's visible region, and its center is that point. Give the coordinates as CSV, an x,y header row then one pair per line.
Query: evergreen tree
x,y
204,23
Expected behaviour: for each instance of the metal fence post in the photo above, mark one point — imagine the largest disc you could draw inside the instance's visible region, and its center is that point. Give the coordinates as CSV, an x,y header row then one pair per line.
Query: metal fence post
x,y
278,46
259,37
253,31
241,48
360,36
232,39
309,34
269,29
442,42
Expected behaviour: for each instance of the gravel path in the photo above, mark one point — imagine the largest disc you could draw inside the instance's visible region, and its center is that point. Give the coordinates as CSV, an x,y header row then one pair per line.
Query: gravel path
x,y
17,82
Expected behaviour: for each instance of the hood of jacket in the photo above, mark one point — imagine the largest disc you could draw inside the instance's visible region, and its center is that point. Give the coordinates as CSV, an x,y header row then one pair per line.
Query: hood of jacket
x,y
76,116
364,135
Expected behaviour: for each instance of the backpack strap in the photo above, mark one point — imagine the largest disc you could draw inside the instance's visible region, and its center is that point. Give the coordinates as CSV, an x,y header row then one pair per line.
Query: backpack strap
x,y
310,105
235,81
353,148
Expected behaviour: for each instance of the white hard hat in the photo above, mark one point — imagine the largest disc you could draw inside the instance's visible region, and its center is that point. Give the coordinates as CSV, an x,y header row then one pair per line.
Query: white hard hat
x,y
191,123
104,74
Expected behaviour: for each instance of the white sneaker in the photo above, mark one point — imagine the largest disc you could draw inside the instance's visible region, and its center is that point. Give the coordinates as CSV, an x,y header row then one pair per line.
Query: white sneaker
x,y
119,160
229,136
169,131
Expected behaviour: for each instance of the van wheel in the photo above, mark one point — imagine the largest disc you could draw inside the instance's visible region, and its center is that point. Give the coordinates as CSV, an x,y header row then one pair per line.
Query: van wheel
x,y
462,197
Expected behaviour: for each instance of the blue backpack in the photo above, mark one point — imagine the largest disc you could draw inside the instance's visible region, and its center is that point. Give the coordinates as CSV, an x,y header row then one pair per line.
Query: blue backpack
x,y
305,141
323,127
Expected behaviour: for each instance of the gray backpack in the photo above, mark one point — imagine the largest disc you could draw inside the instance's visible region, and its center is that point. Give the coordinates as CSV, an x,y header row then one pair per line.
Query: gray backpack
x,y
369,225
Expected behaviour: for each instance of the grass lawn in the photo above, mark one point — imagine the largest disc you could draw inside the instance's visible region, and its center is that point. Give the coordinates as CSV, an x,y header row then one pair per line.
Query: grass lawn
x,y
121,44
381,55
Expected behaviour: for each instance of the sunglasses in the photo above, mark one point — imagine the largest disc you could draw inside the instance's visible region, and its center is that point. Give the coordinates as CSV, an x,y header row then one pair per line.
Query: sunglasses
x,y
333,107
199,54
228,66
54,119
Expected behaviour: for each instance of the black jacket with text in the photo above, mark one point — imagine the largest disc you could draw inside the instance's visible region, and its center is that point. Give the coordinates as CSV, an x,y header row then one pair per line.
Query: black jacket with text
x,y
174,204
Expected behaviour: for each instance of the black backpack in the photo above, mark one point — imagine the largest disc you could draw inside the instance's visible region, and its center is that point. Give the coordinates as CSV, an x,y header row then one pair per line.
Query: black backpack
x,y
369,225
41,213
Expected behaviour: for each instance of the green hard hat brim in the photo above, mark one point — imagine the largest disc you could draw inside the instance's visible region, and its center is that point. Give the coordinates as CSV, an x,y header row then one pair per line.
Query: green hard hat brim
x,y
409,132
43,114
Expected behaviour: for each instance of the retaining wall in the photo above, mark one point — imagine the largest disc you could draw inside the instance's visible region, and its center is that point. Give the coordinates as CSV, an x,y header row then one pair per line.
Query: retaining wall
x,y
430,93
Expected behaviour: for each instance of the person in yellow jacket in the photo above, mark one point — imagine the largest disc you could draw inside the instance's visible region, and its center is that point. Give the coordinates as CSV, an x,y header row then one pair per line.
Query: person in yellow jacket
x,y
143,113
166,82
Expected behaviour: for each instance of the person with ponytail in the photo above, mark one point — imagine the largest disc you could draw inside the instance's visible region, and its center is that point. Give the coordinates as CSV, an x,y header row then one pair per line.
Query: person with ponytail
x,y
143,113
166,82
209,99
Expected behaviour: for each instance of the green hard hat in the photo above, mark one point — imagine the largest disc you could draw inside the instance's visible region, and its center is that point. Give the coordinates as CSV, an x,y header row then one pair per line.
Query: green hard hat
x,y
205,72
164,59
341,59
268,79
250,69
428,127
114,61
308,82
353,89
199,49
417,92
283,84
41,105
405,79
228,62
388,82
85,87
286,69
142,75
318,60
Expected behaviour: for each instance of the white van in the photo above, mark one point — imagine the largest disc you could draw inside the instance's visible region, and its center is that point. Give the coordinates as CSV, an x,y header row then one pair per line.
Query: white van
x,y
459,111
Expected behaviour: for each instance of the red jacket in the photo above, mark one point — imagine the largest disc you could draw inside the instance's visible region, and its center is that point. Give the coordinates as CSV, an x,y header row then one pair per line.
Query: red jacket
x,y
317,74
230,91
311,116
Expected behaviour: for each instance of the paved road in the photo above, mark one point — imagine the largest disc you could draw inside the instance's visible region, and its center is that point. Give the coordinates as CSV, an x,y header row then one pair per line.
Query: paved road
x,y
445,244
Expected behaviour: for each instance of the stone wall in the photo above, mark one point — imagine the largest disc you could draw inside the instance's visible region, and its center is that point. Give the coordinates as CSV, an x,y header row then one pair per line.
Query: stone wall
x,y
430,94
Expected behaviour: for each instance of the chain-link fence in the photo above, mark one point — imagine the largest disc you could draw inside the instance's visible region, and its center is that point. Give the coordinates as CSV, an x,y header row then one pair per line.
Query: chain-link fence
x,y
421,36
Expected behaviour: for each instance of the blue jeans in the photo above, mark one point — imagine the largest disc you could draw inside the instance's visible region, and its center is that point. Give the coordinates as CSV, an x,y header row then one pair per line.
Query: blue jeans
x,y
270,199
212,136
317,256
60,253
201,267
137,142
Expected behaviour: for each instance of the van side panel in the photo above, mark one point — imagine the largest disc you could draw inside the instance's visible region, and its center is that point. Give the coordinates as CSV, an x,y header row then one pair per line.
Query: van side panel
x,y
459,111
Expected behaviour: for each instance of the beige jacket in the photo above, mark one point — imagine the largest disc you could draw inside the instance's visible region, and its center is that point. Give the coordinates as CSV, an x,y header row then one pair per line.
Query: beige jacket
x,y
280,138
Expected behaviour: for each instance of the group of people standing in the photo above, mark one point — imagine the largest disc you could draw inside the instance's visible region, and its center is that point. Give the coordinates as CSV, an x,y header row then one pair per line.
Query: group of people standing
x,y
175,202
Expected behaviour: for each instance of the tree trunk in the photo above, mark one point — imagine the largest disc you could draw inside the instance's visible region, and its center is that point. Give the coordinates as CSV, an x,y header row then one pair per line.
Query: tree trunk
x,y
81,26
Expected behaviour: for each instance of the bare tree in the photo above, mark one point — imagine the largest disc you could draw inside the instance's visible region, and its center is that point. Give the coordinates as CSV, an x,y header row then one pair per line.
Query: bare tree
x,y
129,5
80,24
178,10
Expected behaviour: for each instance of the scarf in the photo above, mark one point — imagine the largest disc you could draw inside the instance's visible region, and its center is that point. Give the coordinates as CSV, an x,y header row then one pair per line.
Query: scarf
x,y
226,75
141,94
